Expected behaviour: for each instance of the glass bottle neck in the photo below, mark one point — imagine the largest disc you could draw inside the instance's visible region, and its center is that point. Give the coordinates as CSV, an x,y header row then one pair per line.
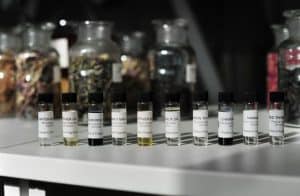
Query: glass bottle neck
x,y
132,45
36,38
281,33
171,35
91,31
293,25
7,42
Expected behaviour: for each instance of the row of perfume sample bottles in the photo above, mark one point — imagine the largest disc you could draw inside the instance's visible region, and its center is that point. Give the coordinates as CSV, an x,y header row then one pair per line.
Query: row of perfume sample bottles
x,y
171,119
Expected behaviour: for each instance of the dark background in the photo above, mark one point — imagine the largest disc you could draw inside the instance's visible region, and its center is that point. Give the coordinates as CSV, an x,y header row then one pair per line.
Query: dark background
x,y
237,33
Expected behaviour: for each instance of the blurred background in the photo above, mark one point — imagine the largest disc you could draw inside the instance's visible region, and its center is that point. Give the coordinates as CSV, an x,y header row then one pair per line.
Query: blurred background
x,y
237,34
229,41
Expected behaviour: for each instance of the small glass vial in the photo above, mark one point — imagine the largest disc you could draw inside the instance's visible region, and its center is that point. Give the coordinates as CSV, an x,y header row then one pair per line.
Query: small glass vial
x,y
172,119
95,119
225,118
70,119
118,118
250,119
144,120
200,118
45,119
276,118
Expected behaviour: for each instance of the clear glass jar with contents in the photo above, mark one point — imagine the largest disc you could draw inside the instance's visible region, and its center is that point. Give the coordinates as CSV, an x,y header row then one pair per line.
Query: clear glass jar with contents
x,y
144,120
35,71
169,60
118,118
200,118
7,75
70,119
172,119
53,60
45,119
250,119
225,119
190,70
289,66
92,59
281,34
276,118
135,69
95,119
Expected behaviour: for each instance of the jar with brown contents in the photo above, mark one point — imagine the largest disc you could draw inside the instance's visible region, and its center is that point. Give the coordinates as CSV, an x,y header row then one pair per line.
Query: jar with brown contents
x,y
35,72
7,76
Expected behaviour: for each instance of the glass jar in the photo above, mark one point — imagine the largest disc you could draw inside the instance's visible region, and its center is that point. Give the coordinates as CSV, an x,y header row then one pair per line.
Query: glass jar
x,y
91,61
280,33
289,66
135,70
190,70
37,71
53,60
7,75
169,60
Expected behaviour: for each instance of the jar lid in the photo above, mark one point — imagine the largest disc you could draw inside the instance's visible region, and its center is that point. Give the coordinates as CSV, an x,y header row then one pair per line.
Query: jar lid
x,y
95,97
145,97
172,97
226,97
277,96
45,98
118,96
69,97
201,96
250,97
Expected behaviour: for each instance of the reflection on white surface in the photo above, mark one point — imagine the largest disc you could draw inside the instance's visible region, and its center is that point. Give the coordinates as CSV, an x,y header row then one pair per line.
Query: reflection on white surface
x,y
11,190
37,192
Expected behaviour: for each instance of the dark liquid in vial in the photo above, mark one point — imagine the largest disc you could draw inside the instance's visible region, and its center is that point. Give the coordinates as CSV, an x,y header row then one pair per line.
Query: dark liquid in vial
x,y
95,142
225,141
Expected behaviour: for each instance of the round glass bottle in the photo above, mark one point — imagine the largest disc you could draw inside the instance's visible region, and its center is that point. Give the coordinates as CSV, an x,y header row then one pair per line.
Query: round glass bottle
x,y
289,66
169,61
190,69
7,75
135,70
91,62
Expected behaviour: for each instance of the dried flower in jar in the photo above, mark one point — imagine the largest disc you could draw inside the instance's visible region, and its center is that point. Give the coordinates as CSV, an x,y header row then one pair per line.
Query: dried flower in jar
x,y
88,75
7,84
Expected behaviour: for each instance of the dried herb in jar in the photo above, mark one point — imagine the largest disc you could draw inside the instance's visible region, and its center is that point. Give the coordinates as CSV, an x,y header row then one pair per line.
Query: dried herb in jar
x,y
89,75
7,84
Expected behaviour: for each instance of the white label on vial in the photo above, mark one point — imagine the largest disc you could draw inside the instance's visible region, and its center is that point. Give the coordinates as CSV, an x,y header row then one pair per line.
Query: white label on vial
x,y
200,123
95,124
117,72
69,123
118,124
172,121
190,73
144,123
46,124
276,119
250,123
225,129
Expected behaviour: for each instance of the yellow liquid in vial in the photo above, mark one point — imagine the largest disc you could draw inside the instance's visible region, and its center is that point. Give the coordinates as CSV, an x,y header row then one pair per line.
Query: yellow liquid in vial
x,y
71,141
145,141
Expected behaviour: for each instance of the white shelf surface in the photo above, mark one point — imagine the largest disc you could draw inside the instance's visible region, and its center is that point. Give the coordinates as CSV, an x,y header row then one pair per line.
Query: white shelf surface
x,y
159,169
